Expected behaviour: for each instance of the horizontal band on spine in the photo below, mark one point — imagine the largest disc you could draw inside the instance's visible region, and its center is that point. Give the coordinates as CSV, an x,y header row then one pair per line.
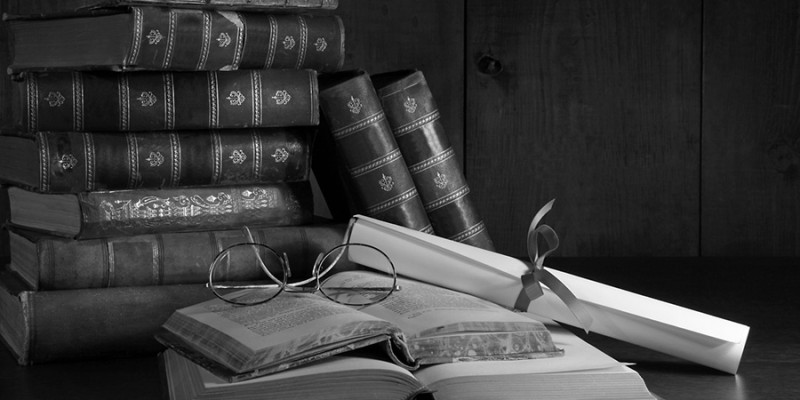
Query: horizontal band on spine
x,y
357,126
433,161
413,125
441,202
401,198
375,164
470,232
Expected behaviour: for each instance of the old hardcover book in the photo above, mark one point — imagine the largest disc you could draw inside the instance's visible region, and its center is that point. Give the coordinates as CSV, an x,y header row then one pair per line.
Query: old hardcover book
x,y
583,372
45,326
48,262
165,100
72,162
368,152
158,38
70,7
414,117
100,214
419,324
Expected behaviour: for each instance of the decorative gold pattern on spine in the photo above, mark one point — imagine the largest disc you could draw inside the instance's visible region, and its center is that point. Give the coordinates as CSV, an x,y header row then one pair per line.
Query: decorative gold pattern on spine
x,y
273,42
255,79
32,96
405,196
207,22
124,102
173,19
416,124
469,232
169,100
433,161
238,20
357,126
375,164
44,164
213,100
136,44
133,159
89,150
301,54
451,197
77,101
174,141
216,157
256,153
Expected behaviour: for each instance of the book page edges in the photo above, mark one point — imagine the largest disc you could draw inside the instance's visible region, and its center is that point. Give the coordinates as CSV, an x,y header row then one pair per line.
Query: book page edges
x,y
623,315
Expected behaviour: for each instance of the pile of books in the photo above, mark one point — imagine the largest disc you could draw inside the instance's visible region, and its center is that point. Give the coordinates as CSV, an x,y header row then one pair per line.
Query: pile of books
x,y
147,133
144,137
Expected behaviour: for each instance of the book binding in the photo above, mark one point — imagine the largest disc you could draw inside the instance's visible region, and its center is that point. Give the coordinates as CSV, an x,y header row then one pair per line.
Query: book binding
x,y
414,117
373,161
148,100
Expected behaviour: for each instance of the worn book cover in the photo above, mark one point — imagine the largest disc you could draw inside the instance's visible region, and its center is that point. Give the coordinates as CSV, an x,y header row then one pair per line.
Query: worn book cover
x,y
74,162
419,325
99,214
178,39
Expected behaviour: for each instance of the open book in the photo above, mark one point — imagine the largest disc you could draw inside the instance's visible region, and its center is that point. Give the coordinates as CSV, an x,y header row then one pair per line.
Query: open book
x,y
582,373
417,325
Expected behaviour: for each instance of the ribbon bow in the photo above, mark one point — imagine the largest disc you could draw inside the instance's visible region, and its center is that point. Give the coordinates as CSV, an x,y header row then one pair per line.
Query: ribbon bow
x,y
531,281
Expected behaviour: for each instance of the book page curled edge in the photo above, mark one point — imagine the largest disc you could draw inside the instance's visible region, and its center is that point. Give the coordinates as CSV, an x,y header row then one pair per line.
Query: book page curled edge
x,y
681,332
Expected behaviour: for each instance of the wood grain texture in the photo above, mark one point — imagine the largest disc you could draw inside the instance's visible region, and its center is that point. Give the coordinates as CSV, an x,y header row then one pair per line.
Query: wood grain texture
x,y
596,105
389,35
751,128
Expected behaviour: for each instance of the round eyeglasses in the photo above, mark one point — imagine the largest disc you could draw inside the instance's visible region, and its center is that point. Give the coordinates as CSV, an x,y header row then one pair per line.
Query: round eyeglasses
x,y
274,271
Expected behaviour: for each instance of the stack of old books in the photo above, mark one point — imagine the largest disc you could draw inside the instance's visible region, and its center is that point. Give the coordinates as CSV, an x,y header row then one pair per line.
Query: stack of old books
x,y
145,134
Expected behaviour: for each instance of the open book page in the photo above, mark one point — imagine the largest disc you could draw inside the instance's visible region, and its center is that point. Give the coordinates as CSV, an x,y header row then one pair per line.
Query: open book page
x,y
583,372
332,378
291,326
442,325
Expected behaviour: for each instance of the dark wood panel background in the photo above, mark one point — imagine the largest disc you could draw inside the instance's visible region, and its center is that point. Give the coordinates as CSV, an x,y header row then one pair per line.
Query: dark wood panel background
x,y
751,128
598,106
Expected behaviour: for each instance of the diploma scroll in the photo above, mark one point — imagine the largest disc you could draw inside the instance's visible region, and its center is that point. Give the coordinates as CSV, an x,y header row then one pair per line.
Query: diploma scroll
x,y
620,314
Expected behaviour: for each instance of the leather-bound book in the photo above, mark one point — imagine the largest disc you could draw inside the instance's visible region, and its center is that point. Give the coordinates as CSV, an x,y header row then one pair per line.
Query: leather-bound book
x,y
414,117
49,262
72,162
59,325
99,214
161,38
368,152
68,7
165,100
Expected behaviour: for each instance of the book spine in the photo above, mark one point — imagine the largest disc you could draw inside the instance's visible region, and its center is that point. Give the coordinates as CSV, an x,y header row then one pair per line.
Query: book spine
x,y
209,40
363,138
135,212
414,117
70,7
72,162
170,258
157,101
90,323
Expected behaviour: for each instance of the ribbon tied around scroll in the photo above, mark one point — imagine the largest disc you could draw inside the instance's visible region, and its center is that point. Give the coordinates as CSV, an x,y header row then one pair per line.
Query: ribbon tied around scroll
x,y
532,280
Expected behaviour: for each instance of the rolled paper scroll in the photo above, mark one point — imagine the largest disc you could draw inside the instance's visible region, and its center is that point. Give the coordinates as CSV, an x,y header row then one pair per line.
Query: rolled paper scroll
x,y
623,315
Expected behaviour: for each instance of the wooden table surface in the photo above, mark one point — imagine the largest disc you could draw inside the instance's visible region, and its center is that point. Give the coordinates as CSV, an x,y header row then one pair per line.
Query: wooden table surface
x,y
761,293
